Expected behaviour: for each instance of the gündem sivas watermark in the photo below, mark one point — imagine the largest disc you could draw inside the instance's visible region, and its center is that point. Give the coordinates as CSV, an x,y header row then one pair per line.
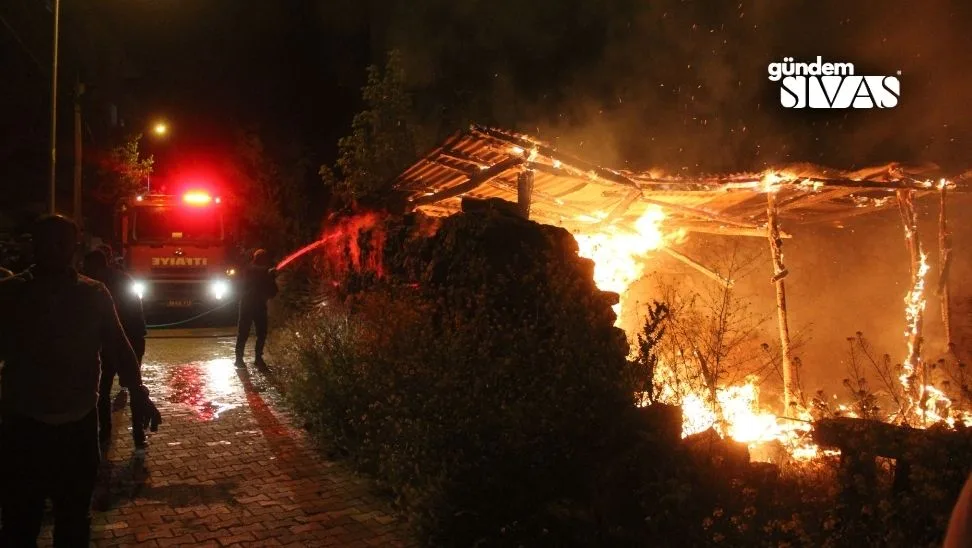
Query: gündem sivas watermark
x,y
820,84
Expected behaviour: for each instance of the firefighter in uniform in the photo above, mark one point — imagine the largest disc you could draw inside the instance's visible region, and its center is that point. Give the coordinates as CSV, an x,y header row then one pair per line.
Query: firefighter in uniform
x,y
54,326
259,285
129,308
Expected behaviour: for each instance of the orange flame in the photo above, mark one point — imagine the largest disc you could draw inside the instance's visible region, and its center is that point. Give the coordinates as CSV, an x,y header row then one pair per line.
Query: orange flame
x,y
744,421
620,255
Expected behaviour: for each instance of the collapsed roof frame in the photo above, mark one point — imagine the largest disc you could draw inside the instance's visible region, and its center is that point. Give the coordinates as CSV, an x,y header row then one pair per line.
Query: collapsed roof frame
x,y
485,162
556,188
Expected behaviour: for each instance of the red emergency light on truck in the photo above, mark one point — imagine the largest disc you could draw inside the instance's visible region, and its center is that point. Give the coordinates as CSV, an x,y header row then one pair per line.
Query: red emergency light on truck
x,y
178,249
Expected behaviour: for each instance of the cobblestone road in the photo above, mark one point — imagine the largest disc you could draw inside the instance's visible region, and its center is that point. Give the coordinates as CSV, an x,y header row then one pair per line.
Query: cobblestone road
x,y
227,467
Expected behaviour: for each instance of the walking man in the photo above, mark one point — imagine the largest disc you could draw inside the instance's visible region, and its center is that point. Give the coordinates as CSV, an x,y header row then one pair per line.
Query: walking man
x,y
129,309
55,325
258,285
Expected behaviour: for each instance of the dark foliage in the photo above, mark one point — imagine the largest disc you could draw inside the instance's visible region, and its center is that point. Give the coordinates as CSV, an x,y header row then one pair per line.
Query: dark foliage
x,y
642,370
124,172
487,396
383,141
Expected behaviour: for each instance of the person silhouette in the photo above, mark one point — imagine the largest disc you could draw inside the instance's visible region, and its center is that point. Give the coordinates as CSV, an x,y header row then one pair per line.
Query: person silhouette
x,y
55,326
129,309
258,285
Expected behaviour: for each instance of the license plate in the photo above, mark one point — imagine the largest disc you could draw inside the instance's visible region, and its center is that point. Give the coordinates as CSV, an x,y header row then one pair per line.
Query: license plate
x,y
180,303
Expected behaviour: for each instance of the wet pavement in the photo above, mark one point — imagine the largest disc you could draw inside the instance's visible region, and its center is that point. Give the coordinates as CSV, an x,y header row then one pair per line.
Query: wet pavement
x,y
227,467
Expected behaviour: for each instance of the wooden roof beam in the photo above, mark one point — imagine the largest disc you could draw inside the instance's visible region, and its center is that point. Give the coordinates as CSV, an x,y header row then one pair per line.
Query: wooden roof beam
x,y
440,162
843,214
803,200
698,266
540,197
473,182
452,140
755,183
871,185
622,207
750,210
571,190
550,152
695,212
728,230
463,157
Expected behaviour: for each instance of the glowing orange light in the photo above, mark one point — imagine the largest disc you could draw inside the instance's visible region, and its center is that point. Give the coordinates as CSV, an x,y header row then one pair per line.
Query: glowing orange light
x,y
196,198
620,257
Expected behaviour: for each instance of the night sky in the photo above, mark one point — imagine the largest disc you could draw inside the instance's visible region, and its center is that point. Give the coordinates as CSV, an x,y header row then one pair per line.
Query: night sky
x,y
628,83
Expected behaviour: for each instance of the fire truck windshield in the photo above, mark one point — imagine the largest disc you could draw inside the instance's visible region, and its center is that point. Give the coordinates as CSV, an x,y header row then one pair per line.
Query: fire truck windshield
x,y
162,224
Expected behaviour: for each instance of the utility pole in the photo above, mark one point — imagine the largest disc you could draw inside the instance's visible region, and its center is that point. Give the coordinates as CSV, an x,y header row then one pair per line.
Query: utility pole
x,y
53,189
78,91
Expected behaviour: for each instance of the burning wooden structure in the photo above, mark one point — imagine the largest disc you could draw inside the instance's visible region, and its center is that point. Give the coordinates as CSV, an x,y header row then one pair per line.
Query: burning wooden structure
x,y
562,190
558,189
555,188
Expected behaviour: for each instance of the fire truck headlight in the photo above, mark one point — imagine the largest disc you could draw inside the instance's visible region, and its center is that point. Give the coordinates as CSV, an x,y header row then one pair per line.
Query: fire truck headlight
x,y
138,288
219,289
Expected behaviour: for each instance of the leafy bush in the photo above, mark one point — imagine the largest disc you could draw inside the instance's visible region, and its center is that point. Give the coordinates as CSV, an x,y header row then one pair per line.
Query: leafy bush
x,y
124,172
485,399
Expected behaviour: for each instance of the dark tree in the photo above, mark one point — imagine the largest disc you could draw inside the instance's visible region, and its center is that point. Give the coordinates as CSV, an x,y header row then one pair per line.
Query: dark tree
x,y
382,142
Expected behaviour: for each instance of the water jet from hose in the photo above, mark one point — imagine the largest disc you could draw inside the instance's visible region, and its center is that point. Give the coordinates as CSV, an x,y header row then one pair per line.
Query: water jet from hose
x,y
300,252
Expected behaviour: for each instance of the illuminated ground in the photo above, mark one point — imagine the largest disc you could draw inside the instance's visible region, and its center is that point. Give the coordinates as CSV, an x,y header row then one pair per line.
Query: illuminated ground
x,y
227,468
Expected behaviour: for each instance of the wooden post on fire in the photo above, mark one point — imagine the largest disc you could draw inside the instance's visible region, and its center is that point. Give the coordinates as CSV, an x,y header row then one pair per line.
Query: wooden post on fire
x,y
524,191
780,272
915,303
945,261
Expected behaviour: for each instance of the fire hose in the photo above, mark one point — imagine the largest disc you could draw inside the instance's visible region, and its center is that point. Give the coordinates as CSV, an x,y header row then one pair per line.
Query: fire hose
x,y
196,317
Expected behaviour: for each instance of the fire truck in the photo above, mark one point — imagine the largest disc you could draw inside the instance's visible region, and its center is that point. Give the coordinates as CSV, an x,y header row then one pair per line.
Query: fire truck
x,y
179,249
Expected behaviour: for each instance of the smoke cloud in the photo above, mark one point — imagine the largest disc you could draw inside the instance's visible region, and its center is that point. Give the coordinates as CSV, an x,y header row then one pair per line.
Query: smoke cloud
x,y
683,85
